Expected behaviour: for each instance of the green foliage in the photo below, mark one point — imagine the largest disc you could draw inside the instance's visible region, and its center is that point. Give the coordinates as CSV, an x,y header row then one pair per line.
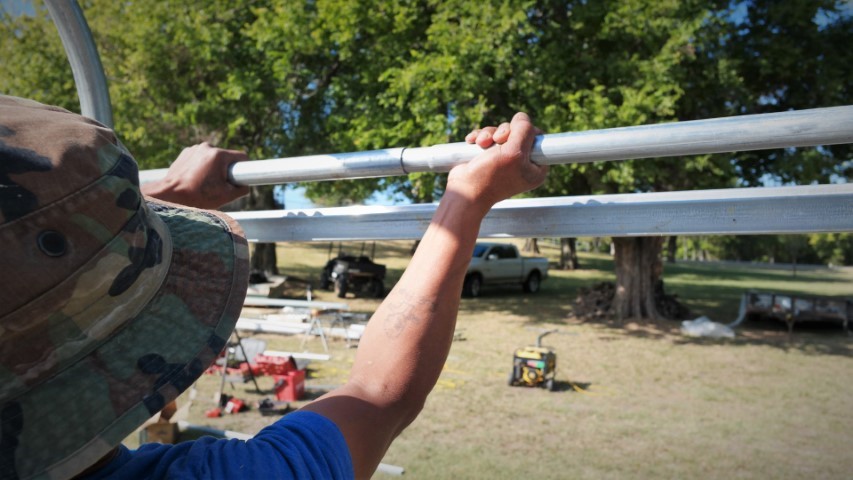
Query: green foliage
x,y
34,63
793,55
178,74
833,248
817,248
297,78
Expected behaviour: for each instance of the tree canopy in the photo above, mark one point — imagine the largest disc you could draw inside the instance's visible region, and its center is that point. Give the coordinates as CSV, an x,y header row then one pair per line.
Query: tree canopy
x,y
293,78
281,78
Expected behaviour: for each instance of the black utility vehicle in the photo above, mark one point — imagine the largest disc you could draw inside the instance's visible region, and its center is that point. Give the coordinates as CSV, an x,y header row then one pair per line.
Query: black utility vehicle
x,y
347,273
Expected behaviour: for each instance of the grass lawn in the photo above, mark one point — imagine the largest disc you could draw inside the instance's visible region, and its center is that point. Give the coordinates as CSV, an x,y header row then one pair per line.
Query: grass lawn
x,y
633,400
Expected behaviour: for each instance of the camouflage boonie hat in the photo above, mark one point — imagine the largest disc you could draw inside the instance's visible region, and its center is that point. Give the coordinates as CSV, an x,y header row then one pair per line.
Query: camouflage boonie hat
x,y
111,304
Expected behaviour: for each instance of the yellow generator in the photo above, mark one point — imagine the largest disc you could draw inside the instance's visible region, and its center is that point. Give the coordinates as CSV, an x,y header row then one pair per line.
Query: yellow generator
x,y
534,366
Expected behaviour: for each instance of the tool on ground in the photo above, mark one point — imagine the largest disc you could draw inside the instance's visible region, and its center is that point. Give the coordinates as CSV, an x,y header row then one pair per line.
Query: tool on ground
x,y
534,365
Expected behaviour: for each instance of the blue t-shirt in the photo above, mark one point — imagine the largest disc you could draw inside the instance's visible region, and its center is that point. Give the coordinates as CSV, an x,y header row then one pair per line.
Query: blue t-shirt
x,y
300,445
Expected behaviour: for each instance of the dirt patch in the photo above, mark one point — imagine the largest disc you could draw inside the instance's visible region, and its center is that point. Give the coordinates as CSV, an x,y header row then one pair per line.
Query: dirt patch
x,y
596,303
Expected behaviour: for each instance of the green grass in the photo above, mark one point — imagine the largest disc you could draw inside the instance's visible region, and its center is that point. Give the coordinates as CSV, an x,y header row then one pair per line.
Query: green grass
x,y
634,400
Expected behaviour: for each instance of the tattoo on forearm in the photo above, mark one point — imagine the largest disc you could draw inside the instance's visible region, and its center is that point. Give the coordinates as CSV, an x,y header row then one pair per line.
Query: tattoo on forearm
x,y
405,308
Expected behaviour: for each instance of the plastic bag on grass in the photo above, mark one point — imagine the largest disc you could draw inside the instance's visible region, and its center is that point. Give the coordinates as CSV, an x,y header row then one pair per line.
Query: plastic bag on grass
x,y
704,327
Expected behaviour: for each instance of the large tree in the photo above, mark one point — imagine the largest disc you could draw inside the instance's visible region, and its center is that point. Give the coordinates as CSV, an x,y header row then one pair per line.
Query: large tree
x,y
295,78
624,63
637,62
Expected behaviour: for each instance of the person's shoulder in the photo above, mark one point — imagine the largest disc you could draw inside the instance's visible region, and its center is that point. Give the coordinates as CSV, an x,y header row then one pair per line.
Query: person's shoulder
x,y
310,442
306,426
299,445
303,418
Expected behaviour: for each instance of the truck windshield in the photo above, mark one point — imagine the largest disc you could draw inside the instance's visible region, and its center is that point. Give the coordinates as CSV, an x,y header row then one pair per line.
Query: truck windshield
x,y
479,250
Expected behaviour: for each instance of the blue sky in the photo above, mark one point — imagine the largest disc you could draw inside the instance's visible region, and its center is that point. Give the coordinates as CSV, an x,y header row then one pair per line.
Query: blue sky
x,y
17,7
294,199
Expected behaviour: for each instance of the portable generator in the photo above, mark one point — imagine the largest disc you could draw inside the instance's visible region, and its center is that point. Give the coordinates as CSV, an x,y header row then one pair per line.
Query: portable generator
x,y
534,366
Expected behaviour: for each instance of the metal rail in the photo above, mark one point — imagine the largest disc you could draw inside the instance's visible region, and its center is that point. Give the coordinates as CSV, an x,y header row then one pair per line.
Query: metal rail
x,y
820,126
737,211
84,59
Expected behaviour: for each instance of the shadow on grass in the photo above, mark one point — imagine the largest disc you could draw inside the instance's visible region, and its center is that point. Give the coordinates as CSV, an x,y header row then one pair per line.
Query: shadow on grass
x,y
711,289
582,388
552,304
715,290
808,338
574,387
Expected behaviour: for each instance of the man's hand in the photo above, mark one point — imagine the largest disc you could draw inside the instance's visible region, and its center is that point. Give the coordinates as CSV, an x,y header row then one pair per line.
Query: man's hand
x,y
504,169
199,178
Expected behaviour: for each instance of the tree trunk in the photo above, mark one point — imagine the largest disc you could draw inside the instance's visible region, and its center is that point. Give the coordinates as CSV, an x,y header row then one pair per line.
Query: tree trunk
x,y
531,245
672,249
794,262
638,271
569,254
264,258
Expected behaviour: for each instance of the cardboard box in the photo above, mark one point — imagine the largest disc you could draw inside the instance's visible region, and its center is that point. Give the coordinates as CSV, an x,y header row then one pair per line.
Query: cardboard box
x,y
161,432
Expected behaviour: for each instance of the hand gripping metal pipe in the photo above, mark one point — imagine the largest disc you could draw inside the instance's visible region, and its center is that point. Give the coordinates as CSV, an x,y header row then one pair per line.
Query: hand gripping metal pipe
x,y
820,126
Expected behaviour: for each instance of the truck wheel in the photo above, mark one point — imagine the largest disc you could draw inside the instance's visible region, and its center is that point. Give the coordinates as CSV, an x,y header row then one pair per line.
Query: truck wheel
x,y
341,287
534,280
473,284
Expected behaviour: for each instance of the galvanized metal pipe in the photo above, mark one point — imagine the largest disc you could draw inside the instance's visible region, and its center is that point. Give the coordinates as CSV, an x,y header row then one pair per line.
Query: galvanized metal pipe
x,y
736,211
84,59
820,126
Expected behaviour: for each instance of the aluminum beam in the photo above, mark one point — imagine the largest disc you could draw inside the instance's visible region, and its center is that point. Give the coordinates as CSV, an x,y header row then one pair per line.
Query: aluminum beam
x,y
799,209
84,59
256,301
821,126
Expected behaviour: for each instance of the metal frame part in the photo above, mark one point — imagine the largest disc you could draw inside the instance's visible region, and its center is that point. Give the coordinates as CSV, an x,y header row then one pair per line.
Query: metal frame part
x,y
84,59
800,209
819,126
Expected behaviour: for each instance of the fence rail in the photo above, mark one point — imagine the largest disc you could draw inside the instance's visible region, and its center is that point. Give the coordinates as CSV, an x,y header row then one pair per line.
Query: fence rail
x,y
801,209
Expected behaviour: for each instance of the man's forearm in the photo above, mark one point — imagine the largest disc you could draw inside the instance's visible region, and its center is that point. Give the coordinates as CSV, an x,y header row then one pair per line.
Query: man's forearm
x,y
407,341
415,324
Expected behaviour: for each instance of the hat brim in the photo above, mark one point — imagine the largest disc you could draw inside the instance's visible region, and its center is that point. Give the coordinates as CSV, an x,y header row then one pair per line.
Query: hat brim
x,y
85,410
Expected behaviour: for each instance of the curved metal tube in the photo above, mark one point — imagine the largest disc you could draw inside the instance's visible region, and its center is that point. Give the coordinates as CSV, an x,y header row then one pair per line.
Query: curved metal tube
x,y
84,59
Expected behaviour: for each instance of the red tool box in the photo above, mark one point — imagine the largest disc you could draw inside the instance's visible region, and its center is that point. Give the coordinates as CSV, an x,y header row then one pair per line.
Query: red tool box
x,y
275,365
290,387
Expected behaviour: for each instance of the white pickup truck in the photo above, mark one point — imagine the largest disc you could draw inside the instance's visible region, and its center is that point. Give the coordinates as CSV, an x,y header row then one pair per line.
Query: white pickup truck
x,y
495,263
